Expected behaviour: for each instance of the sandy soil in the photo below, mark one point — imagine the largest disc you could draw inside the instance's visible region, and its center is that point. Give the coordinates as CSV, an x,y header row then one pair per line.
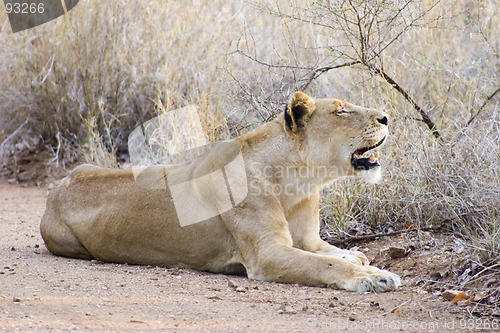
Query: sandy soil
x,y
42,292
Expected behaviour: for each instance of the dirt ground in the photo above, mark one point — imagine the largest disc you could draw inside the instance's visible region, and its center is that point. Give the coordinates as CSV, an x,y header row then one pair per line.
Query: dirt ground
x,y
42,292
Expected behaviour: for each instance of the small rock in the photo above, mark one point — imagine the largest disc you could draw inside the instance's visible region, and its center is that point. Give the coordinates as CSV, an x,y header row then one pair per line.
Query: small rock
x,y
283,310
426,239
406,273
435,276
396,252
232,284
241,289
16,300
215,298
450,294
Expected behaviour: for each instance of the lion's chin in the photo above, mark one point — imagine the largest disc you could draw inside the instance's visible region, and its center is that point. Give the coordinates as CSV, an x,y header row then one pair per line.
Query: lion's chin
x,y
372,176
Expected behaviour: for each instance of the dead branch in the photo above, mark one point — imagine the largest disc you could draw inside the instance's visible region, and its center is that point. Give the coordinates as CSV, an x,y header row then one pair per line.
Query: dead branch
x,y
366,238
425,117
315,73
481,108
364,27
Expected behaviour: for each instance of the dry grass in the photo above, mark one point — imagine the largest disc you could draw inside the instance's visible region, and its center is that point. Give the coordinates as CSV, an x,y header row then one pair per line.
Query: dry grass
x,y
108,64
86,80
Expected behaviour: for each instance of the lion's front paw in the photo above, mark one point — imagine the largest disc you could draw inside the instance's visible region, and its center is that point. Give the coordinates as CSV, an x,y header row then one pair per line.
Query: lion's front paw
x,y
373,279
357,257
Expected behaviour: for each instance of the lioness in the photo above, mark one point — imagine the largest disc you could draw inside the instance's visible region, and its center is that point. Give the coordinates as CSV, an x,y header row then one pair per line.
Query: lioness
x,y
272,234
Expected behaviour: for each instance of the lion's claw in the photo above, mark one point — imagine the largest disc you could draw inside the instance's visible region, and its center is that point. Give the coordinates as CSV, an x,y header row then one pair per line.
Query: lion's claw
x,y
373,279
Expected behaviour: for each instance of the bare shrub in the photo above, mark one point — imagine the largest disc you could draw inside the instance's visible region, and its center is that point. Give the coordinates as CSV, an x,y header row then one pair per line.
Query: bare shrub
x,y
91,77
426,63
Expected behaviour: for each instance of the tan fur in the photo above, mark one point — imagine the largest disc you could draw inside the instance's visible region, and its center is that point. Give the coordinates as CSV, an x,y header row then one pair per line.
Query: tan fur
x,y
103,214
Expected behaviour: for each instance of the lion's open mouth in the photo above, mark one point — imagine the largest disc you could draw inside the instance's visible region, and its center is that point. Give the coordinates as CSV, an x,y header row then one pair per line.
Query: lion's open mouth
x,y
360,162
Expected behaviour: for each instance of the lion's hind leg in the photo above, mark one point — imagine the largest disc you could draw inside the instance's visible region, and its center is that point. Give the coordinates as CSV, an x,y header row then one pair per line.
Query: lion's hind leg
x,y
60,239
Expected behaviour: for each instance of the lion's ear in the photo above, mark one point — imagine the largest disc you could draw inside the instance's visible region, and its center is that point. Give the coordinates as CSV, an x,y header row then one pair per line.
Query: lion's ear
x,y
298,111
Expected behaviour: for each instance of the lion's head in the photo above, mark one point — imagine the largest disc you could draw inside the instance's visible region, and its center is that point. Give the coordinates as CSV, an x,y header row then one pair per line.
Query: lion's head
x,y
337,135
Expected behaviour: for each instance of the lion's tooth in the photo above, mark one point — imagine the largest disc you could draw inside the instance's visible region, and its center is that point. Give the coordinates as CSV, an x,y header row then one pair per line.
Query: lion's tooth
x,y
373,158
377,155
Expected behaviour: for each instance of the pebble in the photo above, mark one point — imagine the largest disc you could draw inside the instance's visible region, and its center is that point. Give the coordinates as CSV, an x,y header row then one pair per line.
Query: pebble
x,y
396,252
232,284
450,294
282,308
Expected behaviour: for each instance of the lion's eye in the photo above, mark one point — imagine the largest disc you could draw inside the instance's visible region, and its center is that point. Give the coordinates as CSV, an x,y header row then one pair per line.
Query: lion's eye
x,y
342,111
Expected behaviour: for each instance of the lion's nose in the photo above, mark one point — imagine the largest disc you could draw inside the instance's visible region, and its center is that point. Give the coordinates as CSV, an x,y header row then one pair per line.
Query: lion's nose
x,y
383,120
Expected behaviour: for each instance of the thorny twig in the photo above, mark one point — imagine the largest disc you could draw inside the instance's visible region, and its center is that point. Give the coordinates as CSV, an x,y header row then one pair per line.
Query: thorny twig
x,y
481,108
366,238
360,32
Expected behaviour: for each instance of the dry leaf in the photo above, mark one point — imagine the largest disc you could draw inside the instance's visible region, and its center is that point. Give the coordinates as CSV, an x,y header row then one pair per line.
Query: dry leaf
x,y
477,297
396,311
461,296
